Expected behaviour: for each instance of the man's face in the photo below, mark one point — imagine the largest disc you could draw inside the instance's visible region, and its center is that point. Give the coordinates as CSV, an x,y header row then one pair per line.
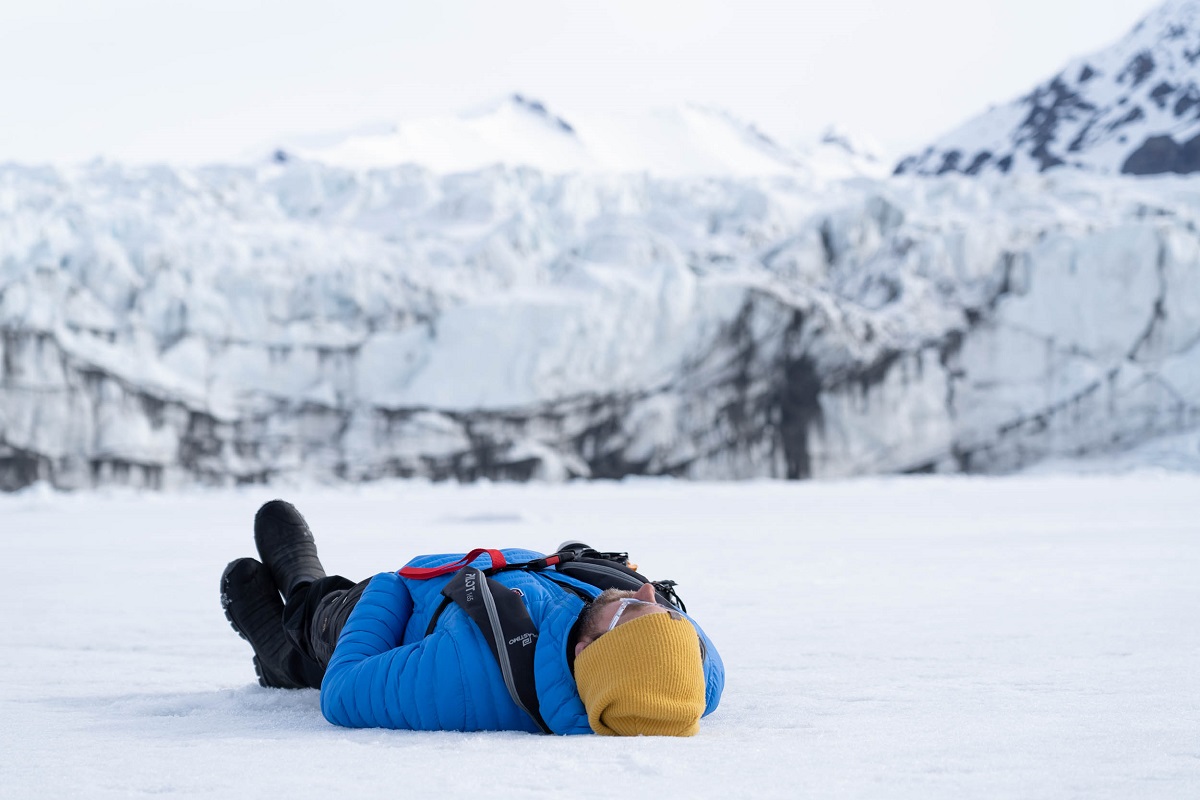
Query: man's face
x,y
606,608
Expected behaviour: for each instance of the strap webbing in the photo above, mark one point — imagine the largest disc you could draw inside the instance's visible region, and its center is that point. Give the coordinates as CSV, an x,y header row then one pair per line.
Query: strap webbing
x,y
509,630
425,573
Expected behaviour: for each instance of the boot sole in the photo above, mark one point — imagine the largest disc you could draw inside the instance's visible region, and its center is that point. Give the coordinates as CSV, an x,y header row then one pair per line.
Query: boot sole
x,y
225,602
259,671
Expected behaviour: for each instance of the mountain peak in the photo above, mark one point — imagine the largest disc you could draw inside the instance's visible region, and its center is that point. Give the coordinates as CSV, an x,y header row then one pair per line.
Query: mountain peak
x,y
853,144
518,130
1133,107
538,109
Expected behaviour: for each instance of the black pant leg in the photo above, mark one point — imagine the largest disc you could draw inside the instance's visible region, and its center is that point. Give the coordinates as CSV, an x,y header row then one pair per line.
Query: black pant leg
x,y
313,617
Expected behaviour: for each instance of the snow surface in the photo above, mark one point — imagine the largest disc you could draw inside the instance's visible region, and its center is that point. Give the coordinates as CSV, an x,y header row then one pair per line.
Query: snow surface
x,y
921,637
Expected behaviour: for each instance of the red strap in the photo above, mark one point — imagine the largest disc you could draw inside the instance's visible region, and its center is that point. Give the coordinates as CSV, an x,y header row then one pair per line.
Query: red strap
x,y
425,573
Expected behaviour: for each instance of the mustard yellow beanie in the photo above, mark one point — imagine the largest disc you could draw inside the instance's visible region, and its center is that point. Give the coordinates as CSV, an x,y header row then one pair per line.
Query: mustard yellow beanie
x,y
644,677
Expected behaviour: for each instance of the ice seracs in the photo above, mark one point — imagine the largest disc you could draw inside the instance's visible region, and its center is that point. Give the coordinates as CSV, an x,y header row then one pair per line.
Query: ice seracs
x,y
234,324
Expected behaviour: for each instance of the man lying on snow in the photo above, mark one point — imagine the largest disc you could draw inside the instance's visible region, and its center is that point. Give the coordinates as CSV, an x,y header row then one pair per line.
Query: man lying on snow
x,y
493,640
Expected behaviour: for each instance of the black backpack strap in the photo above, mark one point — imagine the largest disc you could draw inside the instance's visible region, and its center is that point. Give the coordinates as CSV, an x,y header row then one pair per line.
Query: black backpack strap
x,y
575,590
437,614
508,629
609,573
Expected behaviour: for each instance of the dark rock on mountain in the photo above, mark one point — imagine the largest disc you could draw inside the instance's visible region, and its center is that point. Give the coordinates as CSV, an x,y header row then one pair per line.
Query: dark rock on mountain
x,y
538,108
1109,112
1161,154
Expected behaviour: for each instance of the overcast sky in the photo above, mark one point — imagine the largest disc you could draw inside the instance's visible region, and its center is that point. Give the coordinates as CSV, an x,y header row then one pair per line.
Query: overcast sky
x,y
145,80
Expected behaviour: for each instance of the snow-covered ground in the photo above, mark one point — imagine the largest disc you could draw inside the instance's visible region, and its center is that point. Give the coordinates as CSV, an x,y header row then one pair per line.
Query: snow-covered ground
x,y
921,637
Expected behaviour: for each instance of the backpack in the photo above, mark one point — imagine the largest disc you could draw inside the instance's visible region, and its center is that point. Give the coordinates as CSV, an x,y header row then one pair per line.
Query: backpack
x,y
612,570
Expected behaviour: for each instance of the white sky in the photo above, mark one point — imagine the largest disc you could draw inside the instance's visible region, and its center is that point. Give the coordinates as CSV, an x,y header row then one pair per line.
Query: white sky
x,y
144,80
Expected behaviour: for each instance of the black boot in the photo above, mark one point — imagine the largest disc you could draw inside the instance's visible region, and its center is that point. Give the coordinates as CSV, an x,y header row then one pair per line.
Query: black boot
x,y
286,546
255,610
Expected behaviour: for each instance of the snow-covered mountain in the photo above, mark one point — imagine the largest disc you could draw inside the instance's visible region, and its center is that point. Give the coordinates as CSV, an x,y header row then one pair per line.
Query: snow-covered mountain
x,y
681,141
1131,108
232,324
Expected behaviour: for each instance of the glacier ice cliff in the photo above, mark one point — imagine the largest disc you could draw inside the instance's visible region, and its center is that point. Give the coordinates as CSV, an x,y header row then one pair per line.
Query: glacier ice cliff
x,y
164,326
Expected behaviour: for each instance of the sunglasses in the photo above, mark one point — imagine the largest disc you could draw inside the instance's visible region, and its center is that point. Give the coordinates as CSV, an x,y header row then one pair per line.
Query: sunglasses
x,y
626,602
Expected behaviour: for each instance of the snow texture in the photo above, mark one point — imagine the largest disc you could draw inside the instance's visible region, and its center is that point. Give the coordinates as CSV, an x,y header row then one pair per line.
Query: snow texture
x,y
934,637
1133,108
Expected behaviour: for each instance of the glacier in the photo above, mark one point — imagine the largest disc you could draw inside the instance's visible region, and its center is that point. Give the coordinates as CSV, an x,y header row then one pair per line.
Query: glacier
x,y
165,326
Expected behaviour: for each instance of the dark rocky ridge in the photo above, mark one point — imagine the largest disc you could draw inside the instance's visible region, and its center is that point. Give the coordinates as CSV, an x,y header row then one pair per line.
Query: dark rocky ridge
x,y
1133,108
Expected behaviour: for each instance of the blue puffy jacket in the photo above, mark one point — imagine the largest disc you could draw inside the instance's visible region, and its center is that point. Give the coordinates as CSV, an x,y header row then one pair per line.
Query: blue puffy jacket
x,y
386,673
